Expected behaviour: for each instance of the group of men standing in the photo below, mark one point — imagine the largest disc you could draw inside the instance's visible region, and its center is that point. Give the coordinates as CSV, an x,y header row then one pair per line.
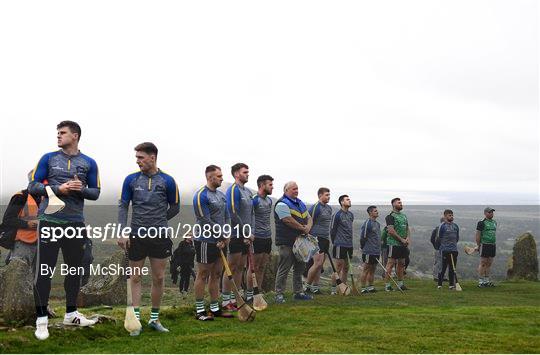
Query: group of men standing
x,y
235,224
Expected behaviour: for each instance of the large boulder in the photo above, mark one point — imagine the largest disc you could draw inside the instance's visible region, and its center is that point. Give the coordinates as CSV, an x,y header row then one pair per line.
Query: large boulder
x,y
16,293
269,279
105,289
523,264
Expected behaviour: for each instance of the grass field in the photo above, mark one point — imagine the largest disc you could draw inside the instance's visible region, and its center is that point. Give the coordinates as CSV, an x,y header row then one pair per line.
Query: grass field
x,y
505,319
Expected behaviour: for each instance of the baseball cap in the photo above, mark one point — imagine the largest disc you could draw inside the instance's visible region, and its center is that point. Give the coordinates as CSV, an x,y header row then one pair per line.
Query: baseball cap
x,y
488,209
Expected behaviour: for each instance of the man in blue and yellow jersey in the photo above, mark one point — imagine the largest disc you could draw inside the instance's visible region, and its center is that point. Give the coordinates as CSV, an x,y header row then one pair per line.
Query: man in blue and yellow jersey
x,y
154,198
240,206
211,232
292,219
321,213
73,177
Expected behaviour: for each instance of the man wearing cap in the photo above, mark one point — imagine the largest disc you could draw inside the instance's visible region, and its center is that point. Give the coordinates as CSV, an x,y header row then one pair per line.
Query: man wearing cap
x,y
485,239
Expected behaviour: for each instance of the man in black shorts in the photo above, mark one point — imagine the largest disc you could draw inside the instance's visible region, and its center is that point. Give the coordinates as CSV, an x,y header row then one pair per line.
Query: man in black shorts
x,y
370,242
154,198
321,214
211,232
486,239
262,244
398,239
240,206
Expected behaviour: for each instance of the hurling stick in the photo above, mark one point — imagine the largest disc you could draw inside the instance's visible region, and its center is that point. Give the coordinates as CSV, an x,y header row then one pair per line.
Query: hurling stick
x,y
343,289
458,286
131,323
245,312
354,289
55,204
259,303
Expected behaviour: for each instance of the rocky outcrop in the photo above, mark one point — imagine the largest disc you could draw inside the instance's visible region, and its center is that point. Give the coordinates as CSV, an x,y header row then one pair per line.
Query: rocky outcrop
x,y
105,289
16,293
523,264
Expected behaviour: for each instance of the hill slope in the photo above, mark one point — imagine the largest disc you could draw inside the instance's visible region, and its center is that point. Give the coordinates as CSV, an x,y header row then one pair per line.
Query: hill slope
x,y
505,319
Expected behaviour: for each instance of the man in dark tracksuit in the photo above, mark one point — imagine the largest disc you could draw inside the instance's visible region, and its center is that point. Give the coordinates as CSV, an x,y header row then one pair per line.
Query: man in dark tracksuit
x,y
183,262
448,235
73,177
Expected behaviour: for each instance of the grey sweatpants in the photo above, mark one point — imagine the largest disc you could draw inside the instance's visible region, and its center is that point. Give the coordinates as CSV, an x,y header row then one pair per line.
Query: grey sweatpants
x,y
437,264
286,261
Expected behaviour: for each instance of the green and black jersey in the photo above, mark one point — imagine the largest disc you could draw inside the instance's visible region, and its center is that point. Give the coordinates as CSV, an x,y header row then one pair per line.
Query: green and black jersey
x,y
400,223
487,229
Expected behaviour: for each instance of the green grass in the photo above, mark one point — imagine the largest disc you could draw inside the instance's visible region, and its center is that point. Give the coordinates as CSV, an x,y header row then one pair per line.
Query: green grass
x,y
505,319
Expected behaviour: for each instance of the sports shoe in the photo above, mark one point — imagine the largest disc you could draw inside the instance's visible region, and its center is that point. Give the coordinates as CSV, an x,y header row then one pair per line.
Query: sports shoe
x,y
136,332
403,287
230,307
203,316
439,287
78,319
451,288
388,288
157,326
482,285
316,291
221,314
490,284
364,290
42,332
372,290
280,298
302,297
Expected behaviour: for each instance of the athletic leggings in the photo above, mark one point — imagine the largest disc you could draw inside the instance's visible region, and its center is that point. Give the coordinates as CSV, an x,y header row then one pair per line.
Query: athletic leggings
x,y
47,255
447,262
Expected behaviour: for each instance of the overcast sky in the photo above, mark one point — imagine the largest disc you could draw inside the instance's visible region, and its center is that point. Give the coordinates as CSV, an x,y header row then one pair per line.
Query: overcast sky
x,y
435,102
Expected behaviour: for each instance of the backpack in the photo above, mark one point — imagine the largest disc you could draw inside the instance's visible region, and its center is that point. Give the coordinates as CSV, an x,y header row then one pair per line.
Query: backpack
x,y
436,238
8,233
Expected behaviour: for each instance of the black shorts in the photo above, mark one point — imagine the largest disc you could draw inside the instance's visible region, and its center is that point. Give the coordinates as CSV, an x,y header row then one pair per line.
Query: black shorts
x,y
324,245
237,245
140,248
487,250
207,253
397,252
342,252
262,245
370,259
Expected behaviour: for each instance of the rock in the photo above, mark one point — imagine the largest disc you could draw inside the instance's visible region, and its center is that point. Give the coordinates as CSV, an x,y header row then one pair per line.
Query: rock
x,y
101,318
523,264
105,289
269,279
16,293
